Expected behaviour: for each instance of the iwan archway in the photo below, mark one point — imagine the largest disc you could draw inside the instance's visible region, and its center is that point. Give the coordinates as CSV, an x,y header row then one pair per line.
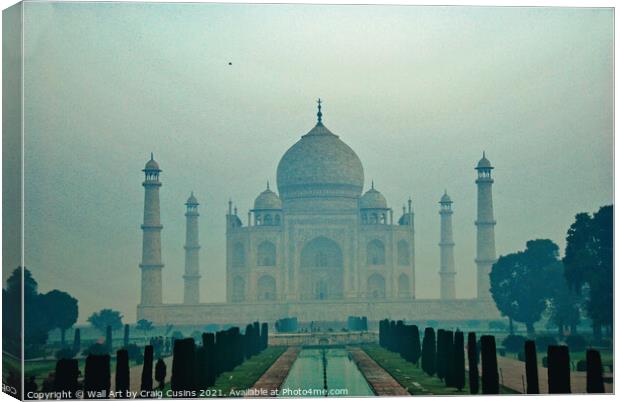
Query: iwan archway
x,y
321,270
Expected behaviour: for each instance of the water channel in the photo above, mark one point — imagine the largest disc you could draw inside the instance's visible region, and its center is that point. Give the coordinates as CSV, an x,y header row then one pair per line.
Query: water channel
x,y
319,368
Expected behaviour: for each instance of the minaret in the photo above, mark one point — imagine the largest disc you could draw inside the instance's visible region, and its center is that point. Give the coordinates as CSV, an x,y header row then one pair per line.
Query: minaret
x,y
151,265
191,291
446,248
485,250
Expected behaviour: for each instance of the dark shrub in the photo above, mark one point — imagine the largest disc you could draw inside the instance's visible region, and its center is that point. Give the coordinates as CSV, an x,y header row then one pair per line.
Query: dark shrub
x,y
160,373
490,375
531,367
417,352
122,373
66,376
576,343
97,374
146,381
183,365
429,350
472,358
513,343
439,359
594,377
458,361
559,369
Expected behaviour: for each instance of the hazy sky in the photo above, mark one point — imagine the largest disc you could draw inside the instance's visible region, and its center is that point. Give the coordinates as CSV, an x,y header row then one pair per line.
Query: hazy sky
x,y
417,92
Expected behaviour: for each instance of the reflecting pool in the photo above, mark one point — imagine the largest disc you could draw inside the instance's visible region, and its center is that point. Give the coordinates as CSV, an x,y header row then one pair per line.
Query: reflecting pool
x,y
342,377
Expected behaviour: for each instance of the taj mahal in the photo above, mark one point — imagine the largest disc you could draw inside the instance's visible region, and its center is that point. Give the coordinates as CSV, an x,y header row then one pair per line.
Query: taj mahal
x,y
320,248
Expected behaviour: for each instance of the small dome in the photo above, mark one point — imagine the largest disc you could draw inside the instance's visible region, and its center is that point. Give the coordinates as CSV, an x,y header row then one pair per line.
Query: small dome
x,y
192,200
151,164
484,163
267,200
373,199
445,199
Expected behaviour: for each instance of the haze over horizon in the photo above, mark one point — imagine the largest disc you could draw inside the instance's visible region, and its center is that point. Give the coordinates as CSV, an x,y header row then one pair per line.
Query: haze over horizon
x,y
220,91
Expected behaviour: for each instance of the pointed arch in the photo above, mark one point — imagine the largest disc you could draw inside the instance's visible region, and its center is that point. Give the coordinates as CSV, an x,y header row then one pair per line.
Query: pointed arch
x,y
238,255
266,254
266,288
238,289
376,286
375,253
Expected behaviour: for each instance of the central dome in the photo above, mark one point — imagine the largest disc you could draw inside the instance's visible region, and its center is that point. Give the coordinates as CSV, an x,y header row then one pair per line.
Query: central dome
x,y
320,165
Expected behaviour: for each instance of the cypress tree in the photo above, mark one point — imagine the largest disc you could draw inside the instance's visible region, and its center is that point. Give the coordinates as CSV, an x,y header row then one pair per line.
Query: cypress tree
x,y
449,358
201,369
383,327
472,359
256,334
439,357
66,376
558,370
77,342
459,361
219,352
594,375
183,365
400,337
97,377
264,333
490,375
108,338
531,367
146,381
417,352
248,339
429,349
126,336
208,342
405,343
392,336
122,373
160,373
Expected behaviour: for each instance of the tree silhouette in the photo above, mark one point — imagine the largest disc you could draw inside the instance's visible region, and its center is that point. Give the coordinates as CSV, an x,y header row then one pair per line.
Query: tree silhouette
x,y
105,317
144,326
62,310
589,263
564,305
520,282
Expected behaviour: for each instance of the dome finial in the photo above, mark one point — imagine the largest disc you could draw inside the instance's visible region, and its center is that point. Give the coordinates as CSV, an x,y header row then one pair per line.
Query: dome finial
x,y
267,184
372,184
152,156
319,115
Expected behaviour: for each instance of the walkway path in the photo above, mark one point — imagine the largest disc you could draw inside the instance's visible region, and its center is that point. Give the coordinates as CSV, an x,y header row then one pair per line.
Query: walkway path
x,y
381,382
512,375
272,379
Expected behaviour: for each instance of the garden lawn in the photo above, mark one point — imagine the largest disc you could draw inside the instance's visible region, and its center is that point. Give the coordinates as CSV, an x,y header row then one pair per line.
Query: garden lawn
x,y
413,378
247,373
